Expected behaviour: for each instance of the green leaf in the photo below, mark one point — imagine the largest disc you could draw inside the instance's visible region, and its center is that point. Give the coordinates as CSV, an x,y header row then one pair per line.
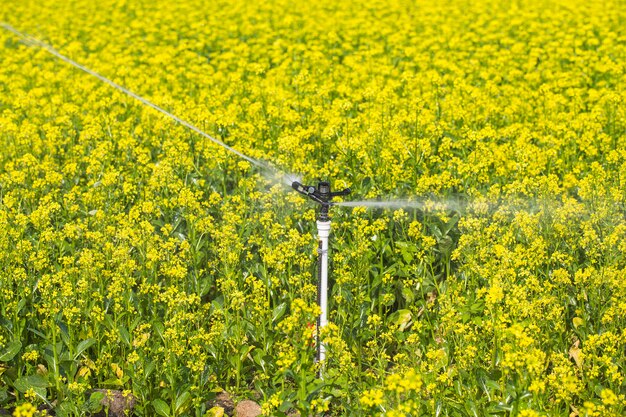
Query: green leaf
x,y
42,393
402,319
10,351
499,407
150,367
408,295
37,332
124,335
25,383
181,402
259,358
94,403
378,280
286,405
83,346
64,409
4,394
161,407
159,328
65,356
313,388
64,333
279,312
470,408
243,352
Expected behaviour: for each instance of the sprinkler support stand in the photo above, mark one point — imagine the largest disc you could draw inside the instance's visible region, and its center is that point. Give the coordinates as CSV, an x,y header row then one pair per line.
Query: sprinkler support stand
x,y
323,196
323,232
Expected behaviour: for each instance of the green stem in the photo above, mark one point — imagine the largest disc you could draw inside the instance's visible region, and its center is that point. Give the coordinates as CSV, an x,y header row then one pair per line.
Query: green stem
x,y
55,357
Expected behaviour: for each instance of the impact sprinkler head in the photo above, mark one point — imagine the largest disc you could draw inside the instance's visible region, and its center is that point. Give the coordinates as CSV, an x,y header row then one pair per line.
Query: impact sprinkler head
x,y
321,195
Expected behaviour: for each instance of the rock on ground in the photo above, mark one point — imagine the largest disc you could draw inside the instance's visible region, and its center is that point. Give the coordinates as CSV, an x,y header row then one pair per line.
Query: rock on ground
x,y
247,408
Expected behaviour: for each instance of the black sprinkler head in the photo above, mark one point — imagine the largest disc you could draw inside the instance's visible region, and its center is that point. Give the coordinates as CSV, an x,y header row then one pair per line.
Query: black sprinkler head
x,y
322,195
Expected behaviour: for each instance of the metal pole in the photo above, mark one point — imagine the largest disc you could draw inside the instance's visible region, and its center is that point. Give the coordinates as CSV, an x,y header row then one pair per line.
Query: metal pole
x,y
323,232
323,196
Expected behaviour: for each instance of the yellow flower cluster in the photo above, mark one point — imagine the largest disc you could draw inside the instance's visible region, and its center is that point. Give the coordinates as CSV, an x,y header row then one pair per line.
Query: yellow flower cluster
x,y
400,396
25,410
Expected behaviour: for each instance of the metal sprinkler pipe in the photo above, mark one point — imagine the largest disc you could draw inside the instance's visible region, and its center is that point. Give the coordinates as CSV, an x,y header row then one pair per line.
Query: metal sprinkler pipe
x,y
323,196
323,232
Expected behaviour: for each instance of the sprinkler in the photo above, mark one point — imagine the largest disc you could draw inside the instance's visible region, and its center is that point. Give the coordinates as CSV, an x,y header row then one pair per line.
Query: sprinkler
x,y
323,196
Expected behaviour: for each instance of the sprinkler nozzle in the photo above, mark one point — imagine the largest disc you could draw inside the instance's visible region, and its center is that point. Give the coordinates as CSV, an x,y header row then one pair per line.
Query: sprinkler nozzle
x,y
321,195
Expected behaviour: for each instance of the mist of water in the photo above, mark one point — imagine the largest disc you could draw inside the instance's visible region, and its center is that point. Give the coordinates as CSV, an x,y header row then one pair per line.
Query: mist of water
x,y
289,179
423,204
485,206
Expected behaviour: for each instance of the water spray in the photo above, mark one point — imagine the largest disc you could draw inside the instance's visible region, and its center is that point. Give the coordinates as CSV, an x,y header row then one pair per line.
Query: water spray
x,y
322,195
267,170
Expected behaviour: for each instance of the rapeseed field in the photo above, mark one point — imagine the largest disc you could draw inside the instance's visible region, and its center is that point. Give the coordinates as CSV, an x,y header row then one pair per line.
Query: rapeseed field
x,y
137,256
